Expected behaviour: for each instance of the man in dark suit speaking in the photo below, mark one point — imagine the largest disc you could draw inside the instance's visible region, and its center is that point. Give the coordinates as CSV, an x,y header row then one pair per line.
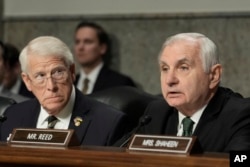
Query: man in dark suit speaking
x,y
92,51
194,103
48,70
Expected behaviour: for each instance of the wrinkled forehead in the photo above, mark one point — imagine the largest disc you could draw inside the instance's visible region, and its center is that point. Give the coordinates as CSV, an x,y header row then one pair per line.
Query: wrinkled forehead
x,y
45,62
181,48
189,42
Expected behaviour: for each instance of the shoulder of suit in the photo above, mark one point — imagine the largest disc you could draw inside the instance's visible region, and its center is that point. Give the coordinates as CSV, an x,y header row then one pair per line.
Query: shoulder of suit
x,y
27,103
21,108
113,72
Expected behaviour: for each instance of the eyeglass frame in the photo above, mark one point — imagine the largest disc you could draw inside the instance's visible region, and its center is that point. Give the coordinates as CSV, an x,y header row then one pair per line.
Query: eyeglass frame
x,y
41,82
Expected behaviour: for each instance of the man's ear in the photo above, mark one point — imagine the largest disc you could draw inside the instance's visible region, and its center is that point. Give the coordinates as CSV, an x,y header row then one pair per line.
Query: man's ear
x,y
26,80
215,75
72,70
103,49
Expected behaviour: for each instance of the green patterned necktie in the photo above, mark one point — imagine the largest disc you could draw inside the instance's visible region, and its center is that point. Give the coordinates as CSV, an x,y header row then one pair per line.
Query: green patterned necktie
x,y
187,126
52,120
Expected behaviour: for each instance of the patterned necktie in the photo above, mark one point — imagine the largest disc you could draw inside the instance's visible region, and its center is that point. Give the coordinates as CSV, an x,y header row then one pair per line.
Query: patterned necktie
x,y
187,126
85,85
52,120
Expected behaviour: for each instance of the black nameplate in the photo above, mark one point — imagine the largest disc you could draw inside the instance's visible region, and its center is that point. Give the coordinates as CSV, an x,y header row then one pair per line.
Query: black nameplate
x,y
167,144
43,137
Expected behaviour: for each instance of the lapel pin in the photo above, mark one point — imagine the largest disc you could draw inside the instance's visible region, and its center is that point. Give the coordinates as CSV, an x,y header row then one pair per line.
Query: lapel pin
x,y
78,121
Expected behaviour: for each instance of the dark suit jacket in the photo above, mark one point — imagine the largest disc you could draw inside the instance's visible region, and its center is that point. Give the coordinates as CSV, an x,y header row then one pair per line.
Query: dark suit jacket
x,y
102,125
108,78
223,126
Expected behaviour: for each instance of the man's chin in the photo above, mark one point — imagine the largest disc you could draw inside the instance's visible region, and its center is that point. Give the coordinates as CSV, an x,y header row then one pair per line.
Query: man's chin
x,y
174,102
54,109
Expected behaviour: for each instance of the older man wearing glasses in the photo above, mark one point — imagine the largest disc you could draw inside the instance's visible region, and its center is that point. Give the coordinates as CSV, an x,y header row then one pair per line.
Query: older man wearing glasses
x,y
48,71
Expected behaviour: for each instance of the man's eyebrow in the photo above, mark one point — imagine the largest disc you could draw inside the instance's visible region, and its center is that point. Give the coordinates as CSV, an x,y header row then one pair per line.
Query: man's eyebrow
x,y
184,60
162,62
181,61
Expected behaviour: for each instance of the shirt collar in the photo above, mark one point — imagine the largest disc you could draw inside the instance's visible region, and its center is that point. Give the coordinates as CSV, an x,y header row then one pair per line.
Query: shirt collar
x,y
195,117
92,76
63,115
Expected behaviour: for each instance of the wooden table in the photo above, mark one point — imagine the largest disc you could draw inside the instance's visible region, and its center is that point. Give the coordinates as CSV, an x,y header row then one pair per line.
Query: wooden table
x,y
103,157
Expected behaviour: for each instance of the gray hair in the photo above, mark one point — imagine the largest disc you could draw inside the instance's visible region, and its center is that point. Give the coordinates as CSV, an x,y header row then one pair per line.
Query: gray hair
x,y
45,46
208,50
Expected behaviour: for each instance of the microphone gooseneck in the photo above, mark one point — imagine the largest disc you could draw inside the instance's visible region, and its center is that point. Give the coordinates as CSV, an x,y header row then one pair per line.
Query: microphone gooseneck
x,y
143,121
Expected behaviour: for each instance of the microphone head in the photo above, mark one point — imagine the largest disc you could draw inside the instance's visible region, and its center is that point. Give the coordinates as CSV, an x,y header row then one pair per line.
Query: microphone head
x,y
145,120
2,118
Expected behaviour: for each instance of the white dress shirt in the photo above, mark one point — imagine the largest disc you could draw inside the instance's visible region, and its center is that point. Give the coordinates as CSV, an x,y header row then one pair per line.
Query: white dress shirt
x,y
63,116
92,76
196,117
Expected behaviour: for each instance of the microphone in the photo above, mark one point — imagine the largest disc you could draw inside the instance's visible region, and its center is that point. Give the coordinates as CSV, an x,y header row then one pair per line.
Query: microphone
x,y
143,121
2,118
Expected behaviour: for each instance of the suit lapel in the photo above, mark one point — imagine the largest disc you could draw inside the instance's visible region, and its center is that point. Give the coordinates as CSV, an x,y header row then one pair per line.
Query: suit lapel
x,y
81,108
213,108
172,122
30,120
100,79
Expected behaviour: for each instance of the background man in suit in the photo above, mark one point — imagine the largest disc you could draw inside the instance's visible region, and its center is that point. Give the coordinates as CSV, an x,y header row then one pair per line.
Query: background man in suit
x,y
12,79
190,77
3,72
92,49
48,70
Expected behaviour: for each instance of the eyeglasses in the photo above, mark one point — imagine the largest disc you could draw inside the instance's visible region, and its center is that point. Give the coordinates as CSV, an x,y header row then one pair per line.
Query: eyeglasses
x,y
58,75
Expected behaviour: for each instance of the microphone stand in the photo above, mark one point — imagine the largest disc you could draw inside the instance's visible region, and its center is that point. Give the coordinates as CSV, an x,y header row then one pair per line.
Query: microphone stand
x,y
129,135
144,121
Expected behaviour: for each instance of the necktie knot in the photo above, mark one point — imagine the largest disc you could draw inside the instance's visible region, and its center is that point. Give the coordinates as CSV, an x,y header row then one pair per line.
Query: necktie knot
x,y
85,86
52,120
187,126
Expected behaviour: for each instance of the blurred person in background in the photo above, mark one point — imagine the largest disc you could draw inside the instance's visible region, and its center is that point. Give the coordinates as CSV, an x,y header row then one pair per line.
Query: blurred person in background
x,y
12,78
92,49
4,67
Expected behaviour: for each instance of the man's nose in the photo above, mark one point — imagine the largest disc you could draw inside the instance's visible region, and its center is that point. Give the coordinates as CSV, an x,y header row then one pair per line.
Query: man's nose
x,y
80,46
171,78
50,83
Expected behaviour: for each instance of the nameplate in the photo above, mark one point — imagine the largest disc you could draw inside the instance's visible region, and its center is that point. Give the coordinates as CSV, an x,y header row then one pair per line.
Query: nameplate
x,y
43,137
167,144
